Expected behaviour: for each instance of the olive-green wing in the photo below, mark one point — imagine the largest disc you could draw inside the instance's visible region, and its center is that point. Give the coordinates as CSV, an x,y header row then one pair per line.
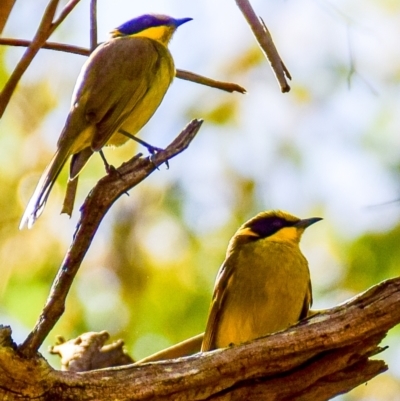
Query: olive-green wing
x,y
217,304
78,161
117,76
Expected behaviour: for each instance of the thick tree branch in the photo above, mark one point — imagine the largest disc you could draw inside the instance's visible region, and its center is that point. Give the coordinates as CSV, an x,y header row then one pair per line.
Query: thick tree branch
x,y
317,359
96,205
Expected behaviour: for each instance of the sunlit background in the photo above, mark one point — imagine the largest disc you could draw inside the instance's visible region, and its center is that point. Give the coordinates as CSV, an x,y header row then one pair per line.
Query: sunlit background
x,y
329,148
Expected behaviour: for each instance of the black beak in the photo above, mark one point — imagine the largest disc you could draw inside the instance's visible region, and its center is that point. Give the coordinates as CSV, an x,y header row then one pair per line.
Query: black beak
x,y
307,222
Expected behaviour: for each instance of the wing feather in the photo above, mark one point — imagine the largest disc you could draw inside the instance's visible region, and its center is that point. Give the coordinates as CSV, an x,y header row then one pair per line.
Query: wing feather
x,y
219,297
117,76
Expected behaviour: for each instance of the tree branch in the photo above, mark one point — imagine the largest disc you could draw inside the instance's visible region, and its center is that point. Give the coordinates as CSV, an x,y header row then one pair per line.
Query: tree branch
x,y
266,43
89,351
181,74
61,47
96,205
93,25
5,11
319,358
46,28
199,79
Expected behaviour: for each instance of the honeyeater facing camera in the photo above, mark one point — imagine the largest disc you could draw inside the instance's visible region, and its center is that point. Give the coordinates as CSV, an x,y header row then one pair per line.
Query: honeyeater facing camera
x,y
263,285
118,89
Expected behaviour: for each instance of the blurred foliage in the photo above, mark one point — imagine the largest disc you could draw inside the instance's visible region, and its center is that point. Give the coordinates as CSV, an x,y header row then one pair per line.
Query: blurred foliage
x,y
220,114
375,253
326,149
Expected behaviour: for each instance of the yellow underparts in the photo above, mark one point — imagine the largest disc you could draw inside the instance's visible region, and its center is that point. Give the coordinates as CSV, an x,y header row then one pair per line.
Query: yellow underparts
x,y
264,294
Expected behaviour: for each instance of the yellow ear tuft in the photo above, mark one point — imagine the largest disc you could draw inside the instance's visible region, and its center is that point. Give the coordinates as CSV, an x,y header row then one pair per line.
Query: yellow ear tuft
x,y
286,234
161,34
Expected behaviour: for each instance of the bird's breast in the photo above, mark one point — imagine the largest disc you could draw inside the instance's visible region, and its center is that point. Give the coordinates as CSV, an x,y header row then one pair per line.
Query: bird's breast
x,y
266,292
159,78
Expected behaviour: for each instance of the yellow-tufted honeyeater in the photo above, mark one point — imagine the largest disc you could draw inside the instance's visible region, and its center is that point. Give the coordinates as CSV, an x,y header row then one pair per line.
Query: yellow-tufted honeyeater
x,y
264,284
119,87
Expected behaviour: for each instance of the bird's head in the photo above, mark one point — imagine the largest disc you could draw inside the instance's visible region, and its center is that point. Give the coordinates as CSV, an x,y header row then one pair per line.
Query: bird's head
x,y
275,226
154,26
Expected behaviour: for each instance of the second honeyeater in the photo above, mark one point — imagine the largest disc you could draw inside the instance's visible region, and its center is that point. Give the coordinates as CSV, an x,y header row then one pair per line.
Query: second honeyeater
x,y
119,87
264,284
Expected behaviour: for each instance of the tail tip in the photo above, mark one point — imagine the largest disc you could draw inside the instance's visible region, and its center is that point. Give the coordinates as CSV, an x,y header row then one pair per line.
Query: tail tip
x,y
29,217
28,221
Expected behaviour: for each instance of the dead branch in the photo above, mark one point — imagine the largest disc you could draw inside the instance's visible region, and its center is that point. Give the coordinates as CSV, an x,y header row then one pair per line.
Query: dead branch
x,y
89,351
319,358
199,79
266,43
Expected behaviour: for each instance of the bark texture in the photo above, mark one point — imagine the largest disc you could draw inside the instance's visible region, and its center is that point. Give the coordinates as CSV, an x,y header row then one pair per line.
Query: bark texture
x,y
319,358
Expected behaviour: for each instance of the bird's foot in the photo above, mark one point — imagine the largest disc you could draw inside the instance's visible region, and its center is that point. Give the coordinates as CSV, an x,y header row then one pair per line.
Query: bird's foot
x,y
153,150
110,169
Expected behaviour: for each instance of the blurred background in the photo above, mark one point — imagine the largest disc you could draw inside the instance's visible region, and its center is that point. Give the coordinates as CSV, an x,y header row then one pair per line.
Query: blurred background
x,y
328,148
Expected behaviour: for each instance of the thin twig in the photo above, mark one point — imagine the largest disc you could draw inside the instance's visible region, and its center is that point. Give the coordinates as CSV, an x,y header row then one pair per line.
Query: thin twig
x,y
266,43
352,68
225,86
96,205
93,24
81,51
70,195
352,65
46,28
182,74
64,13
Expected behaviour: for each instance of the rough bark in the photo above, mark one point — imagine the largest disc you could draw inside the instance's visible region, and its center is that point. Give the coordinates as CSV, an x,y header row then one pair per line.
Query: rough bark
x,y
317,359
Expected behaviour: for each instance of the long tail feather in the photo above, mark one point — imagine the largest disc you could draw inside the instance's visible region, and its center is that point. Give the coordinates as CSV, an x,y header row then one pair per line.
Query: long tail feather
x,y
38,200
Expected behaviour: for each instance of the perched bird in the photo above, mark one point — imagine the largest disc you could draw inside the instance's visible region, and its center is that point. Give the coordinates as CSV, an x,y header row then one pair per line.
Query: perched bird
x,y
118,89
264,284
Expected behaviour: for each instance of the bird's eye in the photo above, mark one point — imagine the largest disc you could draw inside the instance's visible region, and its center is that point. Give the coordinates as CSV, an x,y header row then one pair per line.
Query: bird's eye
x,y
277,223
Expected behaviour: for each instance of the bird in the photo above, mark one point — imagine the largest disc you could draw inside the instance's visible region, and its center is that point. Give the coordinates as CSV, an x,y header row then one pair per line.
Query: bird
x,y
119,88
263,285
